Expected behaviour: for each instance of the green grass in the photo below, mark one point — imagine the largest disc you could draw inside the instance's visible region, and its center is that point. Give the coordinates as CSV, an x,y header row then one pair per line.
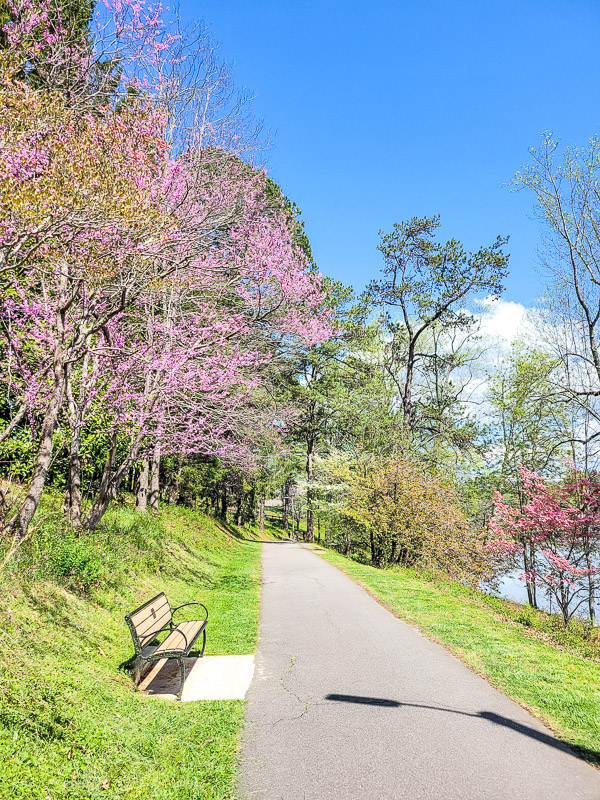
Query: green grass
x,y
559,683
70,719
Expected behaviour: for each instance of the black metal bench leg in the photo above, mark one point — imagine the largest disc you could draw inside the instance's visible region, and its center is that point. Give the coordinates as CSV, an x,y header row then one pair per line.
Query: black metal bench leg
x,y
136,670
182,671
203,642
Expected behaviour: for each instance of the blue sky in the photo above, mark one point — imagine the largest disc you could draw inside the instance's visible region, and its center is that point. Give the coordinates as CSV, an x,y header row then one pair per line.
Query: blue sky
x,y
384,110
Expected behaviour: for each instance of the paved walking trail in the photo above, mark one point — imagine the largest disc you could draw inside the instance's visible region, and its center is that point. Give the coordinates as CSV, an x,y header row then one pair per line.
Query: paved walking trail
x,y
349,702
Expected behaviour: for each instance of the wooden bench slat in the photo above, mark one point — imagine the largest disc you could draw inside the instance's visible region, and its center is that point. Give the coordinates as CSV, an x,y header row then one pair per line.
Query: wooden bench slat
x,y
145,613
175,641
153,625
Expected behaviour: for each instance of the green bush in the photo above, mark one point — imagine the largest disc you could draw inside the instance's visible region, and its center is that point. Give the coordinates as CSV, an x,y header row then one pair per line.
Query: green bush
x,y
524,618
74,561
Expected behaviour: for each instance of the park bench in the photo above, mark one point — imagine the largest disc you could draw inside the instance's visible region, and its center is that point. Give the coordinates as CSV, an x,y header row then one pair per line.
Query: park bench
x,y
151,619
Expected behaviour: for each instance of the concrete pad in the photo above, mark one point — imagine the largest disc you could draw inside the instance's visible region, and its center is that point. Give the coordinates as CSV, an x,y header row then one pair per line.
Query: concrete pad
x,y
208,678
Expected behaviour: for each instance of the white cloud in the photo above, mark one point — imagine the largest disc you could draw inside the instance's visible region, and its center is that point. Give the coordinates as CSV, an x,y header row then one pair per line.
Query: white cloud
x,y
503,321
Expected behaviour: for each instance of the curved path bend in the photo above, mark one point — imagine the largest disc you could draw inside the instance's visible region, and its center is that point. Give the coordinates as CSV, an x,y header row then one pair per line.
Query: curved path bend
x,y
349,702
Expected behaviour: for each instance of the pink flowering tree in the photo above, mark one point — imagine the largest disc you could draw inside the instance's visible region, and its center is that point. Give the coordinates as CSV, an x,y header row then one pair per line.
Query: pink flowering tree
x,y
153,287
556,535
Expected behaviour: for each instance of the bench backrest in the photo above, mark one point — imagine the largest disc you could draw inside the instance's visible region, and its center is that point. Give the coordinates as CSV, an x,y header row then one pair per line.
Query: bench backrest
x,y
145,622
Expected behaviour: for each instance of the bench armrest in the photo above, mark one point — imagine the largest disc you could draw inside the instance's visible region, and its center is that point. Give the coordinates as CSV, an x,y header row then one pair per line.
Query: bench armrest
x,y
173,610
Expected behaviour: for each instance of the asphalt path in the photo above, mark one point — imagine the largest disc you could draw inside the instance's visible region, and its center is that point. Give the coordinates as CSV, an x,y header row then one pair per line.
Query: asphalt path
x,y
349,702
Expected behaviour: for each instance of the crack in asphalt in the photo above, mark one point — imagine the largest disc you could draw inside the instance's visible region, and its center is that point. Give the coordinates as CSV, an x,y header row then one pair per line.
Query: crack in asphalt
x,y
282,681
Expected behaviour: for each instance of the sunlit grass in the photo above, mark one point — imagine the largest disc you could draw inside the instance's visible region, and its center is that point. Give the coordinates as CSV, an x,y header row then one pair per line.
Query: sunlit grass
x,y
71,723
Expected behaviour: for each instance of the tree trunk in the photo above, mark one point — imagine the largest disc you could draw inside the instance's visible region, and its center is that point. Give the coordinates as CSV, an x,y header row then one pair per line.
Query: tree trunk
x,y
112,479
286,508
407,404
530,588
224,503
107,490
591,600
174,490
13,423
20,524
73,491
310,521
141,500
261,517
155,478
319,530
238,512
73,494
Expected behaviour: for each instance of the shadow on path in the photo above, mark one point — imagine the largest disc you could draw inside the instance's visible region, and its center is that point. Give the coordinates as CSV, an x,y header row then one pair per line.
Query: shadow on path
x,y
490,716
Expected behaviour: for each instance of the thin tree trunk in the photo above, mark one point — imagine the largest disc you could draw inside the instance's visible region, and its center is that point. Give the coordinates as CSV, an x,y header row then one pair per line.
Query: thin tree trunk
x,y
527,568
238,512
73,492
112,479
224,502
174,490
155,479
407,405
261,517
107,490
310,521
286,508
13,423
591,588
20,524
141,500
532,566
74,480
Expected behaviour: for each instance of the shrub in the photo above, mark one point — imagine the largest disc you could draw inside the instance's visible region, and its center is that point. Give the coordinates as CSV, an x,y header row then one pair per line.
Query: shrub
x,y
413,518
74,561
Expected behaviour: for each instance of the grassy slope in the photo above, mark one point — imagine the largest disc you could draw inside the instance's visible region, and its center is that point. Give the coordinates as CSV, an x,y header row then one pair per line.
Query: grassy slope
x,y
559,684
69,719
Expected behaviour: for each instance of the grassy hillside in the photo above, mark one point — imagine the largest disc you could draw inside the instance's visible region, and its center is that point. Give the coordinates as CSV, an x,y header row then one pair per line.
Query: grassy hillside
x,y
71,724
554,673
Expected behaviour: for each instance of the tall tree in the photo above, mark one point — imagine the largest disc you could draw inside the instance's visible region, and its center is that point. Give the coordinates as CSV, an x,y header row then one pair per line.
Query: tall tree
x,y
423,294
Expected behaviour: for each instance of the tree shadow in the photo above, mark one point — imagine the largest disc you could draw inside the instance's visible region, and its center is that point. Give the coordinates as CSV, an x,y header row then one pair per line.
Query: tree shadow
x,y
593,756
366,701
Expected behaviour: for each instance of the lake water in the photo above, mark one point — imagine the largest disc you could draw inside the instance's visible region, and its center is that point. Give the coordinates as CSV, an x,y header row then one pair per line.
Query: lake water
x,y
513,588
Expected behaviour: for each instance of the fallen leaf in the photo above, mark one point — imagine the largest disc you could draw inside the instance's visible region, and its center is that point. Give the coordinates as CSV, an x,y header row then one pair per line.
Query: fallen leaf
x,y
105,785
70,754
102,653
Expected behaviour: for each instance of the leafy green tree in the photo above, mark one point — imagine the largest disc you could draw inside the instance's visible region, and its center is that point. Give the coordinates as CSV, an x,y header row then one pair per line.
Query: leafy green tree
x,y
531,428
567,202
425,288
